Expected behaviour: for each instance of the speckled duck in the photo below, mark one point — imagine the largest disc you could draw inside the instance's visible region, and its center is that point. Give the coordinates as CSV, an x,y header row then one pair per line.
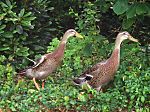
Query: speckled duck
x,y
103,72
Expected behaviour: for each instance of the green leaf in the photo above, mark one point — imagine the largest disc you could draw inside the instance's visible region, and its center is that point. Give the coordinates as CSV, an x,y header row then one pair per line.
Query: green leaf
x,y
131,12
8,3
2,16
66,98
142,99
4,48
26,23
2,27
120,7
21,13
132,97
148,8
141,9
22,51
86,86
127,23
3,5
13,14
8,34
81,97
88,49
29,18
72,102
28,14
12,108
1,31
31,91
11,19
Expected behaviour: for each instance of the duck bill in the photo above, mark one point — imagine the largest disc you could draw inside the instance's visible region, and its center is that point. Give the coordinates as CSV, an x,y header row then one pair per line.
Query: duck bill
x,y
133,39
78,35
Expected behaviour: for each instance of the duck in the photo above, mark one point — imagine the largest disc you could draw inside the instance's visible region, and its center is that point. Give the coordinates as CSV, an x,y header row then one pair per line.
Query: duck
x,y
103,72
49,62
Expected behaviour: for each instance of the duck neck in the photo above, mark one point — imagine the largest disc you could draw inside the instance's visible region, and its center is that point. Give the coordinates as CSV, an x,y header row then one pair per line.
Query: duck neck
x,y
63,42
65,38
59,52
116,52
118,43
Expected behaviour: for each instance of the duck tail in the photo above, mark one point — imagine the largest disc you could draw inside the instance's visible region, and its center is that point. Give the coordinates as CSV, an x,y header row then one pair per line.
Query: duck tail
x,y
81,80
23,72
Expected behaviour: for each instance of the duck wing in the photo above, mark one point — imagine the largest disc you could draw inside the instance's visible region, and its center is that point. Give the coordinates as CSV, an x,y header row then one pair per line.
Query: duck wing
x,y
39,61
87,75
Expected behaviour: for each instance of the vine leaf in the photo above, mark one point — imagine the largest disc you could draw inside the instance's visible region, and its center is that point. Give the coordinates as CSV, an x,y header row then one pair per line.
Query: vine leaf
x,y
120,7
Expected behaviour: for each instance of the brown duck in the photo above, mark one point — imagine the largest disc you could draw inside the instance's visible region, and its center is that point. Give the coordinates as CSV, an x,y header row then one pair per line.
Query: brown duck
x,y
103,72
49,62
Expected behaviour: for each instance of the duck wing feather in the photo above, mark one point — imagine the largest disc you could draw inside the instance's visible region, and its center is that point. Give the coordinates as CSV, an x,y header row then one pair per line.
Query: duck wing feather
x,y
88,74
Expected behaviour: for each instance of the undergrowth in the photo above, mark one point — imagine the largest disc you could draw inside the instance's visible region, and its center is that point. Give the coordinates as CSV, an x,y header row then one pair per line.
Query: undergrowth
x,y
129,91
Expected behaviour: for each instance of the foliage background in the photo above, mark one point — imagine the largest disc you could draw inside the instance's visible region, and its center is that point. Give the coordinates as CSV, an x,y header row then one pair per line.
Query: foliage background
x,y
30,28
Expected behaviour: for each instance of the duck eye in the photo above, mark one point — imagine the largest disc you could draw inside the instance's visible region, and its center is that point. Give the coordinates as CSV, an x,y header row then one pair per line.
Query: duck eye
x,y
125,33
72,32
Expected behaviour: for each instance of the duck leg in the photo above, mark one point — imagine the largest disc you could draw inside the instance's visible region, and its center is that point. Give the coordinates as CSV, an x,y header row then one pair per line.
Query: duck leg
x,y
36,84
43,83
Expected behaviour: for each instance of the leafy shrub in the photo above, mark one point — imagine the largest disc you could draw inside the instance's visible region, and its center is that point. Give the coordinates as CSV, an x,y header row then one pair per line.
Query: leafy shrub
x,y
43,31
52,19
14,26
129,90
131,11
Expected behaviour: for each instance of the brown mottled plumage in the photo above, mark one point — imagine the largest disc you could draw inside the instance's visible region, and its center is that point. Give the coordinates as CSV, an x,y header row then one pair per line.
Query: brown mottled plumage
x,y
49,62
103,72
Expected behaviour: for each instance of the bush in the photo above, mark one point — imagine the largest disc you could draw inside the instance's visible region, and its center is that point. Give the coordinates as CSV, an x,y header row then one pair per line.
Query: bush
x,y
14,28
128,92
131,12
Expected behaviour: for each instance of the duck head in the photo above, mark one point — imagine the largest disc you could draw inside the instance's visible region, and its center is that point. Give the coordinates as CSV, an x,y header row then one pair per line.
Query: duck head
x,y
72,32
125,35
